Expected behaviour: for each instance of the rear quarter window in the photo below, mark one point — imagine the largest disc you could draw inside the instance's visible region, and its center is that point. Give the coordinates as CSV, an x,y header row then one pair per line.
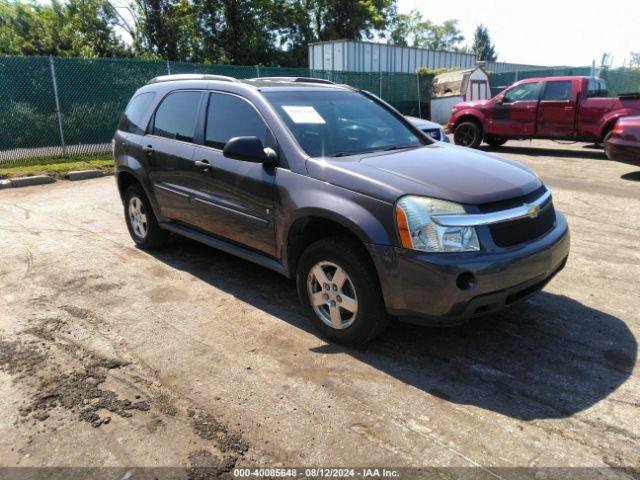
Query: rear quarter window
x,y
131,119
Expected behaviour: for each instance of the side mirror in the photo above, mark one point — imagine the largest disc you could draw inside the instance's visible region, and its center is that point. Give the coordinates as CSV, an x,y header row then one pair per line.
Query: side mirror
x,y
249,149
499,100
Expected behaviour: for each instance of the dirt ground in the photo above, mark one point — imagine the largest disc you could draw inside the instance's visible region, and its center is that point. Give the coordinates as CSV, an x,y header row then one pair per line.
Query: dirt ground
x,y
111,356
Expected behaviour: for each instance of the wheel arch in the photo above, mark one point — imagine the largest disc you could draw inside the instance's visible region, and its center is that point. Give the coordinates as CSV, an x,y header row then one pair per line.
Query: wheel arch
x,y
312,224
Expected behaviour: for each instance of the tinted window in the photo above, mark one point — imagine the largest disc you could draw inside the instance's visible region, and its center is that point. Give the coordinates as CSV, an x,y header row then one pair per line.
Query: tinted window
x,y
597,87
131,119
229,116
335,123
522,93
557,91
177,115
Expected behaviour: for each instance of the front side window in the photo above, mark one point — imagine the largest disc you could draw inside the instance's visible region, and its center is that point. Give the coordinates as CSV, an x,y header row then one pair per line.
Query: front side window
x,y
336,123
522,93
560,90
131,119
177,115
229,116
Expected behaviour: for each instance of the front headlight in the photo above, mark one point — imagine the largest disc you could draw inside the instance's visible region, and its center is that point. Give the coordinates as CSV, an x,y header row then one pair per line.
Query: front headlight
x,y
418,231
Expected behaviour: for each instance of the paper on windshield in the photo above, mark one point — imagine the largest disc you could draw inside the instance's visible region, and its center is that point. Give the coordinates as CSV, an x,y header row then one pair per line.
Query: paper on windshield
x,y
303,114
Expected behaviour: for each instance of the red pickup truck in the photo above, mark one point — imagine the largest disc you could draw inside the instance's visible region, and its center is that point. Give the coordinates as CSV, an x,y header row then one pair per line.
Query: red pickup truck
x,y
568,108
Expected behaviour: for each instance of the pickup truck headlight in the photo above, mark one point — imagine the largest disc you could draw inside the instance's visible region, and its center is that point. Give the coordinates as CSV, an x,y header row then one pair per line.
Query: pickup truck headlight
x,y
418,231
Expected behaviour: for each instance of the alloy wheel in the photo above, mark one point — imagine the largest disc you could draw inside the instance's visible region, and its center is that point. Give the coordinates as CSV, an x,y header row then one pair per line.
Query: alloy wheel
x,y
138,217
332,295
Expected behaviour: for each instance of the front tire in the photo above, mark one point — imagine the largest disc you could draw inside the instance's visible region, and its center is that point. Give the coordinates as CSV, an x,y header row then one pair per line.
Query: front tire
x,y
468,134
338,288
141,221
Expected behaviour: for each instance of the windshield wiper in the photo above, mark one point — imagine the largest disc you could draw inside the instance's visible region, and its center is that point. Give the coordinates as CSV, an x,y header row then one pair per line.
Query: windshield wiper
x,y
384,149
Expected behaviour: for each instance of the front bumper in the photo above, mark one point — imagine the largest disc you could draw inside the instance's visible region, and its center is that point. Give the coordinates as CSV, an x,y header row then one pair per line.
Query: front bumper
x,y
433,288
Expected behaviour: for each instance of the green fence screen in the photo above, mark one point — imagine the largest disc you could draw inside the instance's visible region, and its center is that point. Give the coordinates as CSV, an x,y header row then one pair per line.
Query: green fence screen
x,y
93,92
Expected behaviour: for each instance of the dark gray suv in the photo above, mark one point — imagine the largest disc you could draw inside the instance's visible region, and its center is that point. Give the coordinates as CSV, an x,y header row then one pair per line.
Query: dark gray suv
x,y
333,187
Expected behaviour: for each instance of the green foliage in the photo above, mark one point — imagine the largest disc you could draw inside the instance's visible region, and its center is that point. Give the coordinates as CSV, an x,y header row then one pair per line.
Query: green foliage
x,y
79,28
414,30
483,48
433,71
634,62
55,166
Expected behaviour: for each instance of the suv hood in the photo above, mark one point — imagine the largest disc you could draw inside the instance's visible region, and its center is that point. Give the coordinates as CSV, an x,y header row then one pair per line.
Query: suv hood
x,y
440,171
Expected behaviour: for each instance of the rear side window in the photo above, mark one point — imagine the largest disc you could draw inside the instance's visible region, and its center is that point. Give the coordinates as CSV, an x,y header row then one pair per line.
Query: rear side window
x,y
560,90
229,116
597,87
131,119
522,93
177,115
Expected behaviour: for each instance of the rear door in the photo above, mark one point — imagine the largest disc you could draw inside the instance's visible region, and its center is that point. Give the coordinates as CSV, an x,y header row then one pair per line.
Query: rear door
x,y
169,148
233,198
557,110
515,114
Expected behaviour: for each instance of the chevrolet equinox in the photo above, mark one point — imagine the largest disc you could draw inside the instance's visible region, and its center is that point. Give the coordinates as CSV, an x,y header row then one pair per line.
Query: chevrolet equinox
x,y
333,187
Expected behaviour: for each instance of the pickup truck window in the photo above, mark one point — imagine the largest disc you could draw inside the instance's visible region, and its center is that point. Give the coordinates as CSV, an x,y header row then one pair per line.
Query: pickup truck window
x,y
597,88
522,93
560,90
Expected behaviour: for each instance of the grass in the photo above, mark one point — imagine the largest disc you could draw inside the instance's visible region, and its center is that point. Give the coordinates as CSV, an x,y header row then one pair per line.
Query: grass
x,y
55,166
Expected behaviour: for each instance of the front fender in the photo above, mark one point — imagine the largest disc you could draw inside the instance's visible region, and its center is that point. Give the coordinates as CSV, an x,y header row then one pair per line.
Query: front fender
x,y
467,113
300,196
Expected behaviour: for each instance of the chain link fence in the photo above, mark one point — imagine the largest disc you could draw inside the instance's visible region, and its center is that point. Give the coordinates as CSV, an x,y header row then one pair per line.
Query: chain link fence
x,y
71,106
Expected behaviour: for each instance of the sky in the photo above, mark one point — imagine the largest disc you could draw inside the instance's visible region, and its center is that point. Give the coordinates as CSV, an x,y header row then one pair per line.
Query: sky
x,y
545,32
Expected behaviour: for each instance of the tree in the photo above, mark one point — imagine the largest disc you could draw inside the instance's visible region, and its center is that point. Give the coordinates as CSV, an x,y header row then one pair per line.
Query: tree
x,y
300,22
81,28
634,62
482,47
414,30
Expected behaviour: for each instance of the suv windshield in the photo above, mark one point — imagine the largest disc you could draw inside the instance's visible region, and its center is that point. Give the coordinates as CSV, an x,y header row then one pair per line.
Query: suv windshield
x,y
337,123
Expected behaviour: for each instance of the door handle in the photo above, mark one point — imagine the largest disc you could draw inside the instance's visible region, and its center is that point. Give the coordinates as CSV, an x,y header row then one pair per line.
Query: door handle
x,y
568,108
204,164
147,149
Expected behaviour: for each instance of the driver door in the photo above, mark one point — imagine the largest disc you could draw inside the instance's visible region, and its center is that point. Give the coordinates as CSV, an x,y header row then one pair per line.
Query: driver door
x,y
515,113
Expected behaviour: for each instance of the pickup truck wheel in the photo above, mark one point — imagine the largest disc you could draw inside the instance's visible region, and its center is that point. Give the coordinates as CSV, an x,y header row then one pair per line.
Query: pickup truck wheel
x,y
495,142
468,134
338,288
141,221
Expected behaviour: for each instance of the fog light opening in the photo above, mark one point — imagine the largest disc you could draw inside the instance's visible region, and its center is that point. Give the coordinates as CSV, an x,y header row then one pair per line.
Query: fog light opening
x,y
466,281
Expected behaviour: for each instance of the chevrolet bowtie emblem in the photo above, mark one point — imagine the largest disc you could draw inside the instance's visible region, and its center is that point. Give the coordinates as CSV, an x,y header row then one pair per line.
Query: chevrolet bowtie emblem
x,y
533,211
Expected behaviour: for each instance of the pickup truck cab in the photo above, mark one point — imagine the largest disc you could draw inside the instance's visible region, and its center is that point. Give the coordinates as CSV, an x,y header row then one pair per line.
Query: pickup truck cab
x,y
568,108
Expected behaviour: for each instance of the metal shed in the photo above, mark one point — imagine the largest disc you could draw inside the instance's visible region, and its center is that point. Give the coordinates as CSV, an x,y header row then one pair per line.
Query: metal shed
x,y
346,55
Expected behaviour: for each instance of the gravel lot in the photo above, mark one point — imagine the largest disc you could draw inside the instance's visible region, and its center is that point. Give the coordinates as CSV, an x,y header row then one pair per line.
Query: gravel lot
x,y
110,356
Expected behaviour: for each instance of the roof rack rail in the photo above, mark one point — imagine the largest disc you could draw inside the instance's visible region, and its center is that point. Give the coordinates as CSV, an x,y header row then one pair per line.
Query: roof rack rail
x,y
297,80
191,76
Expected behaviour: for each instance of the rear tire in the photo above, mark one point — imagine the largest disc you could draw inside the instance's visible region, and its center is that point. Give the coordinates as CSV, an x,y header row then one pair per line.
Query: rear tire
x,y
338,288
468,134
495,142
141,221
